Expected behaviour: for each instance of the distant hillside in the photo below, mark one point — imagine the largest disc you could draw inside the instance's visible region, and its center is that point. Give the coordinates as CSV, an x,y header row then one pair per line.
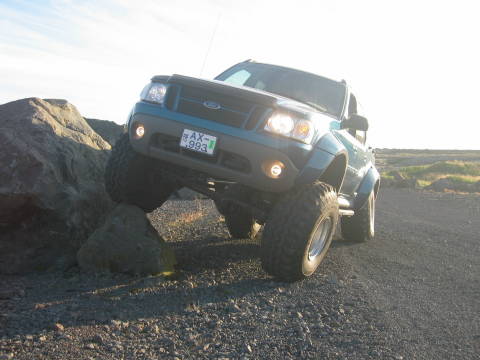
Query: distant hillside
x,y
389,159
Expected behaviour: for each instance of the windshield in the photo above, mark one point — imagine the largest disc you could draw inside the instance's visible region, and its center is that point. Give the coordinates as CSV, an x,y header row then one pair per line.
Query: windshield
x,y
319,92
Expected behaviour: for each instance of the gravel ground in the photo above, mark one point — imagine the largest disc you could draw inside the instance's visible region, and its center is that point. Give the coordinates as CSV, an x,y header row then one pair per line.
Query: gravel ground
x,y
412,293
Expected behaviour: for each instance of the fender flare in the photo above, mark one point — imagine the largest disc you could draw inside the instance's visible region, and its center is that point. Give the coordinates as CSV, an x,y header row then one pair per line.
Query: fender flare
x,y
328,151
370,182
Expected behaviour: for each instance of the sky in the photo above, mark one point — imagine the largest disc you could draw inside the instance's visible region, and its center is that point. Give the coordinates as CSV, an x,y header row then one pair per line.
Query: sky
x,y
413,65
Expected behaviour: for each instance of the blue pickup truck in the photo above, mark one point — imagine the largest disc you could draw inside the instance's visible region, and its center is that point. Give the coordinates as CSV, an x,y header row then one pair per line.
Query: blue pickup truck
x,y
274,147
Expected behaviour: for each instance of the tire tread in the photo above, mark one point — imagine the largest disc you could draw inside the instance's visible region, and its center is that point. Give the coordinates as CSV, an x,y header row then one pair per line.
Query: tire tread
x,y
291,221
128,177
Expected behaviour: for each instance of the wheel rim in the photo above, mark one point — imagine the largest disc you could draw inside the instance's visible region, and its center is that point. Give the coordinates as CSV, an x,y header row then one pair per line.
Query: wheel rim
x,y
319,238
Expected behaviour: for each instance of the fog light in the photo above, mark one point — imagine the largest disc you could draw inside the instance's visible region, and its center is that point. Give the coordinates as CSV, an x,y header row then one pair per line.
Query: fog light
x,y
273,169
276,170
140,131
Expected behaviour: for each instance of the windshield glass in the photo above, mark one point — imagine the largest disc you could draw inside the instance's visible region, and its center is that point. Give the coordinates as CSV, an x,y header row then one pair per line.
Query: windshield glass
x,y
319,92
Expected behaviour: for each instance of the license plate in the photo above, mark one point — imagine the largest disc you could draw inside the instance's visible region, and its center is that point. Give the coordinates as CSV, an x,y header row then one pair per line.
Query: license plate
x,y
197,141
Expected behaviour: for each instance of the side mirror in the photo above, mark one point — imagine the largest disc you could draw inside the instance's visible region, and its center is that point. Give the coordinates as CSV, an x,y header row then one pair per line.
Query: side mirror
x,y
355,122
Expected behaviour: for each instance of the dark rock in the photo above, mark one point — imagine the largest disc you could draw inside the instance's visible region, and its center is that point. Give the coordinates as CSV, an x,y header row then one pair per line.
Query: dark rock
x,y
108,130
126,243
51,173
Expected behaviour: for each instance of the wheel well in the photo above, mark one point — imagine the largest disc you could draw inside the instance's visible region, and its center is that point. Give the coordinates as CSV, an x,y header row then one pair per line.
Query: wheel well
x,y
335,172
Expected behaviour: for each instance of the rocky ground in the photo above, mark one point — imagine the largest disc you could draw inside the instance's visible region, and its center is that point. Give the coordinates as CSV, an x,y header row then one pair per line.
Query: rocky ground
x,y
412,293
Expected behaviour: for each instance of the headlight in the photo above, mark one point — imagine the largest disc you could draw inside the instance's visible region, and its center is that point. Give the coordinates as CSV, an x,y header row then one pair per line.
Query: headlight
x,y
298,129
154,92
280,124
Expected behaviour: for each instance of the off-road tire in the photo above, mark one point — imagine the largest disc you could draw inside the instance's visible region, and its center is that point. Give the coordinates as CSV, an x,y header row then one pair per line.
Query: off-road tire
x,y
240,222
290,228
361,226
135,179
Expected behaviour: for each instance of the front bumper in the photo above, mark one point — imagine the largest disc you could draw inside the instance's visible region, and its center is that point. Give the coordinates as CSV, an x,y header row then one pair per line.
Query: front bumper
x,y
240,154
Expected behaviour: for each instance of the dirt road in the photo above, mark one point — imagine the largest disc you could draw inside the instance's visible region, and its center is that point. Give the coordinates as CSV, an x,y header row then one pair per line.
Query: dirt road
x,y
412,293
423,272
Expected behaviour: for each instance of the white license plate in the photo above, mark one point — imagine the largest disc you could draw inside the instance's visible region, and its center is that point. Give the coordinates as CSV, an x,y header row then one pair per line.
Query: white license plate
x,y
197,141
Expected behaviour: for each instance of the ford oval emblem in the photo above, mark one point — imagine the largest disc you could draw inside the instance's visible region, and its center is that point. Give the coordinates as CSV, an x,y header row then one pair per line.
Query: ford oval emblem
x,y
211,105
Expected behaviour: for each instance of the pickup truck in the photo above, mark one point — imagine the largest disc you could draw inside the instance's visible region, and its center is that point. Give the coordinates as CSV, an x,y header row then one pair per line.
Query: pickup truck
x,y
272,146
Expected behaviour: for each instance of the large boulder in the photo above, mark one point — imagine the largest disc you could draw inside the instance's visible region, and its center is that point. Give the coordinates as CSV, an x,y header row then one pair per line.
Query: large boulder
x,y
108,130
126,243
51,183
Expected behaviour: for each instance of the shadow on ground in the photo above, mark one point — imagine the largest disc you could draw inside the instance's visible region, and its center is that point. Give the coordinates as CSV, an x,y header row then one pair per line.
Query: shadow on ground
x,y
213,273
208,275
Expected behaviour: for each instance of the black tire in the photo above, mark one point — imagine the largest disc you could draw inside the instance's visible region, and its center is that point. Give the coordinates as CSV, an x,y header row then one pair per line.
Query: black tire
x,y
287,250
135,179
240,222
361,226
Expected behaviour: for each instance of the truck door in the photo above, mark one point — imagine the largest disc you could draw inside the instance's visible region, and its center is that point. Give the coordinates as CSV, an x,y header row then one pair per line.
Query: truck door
x,y
356,161
354,141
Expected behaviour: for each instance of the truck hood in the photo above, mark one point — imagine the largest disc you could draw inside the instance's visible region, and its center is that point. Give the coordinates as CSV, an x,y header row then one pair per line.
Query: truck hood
x,y
244,92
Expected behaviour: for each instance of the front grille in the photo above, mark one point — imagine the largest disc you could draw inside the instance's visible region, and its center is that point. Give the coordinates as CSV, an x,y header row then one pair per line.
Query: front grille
x,y
201,95
256,116
222,115
233,111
